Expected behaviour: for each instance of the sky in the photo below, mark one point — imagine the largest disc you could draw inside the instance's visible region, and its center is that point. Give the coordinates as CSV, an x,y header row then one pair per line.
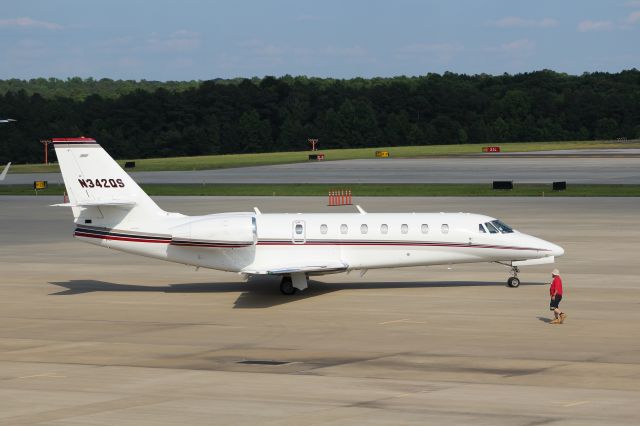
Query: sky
x,y
197,39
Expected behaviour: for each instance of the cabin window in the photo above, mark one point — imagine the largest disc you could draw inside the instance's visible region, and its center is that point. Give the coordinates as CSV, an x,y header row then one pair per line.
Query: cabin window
x,y
481,229
323,229
298,229
424,228
444,228
492,229
364,228
344,229
404,228
384,228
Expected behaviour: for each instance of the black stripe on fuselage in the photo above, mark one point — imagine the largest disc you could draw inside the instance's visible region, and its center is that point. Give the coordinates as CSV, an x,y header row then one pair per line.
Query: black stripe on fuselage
x,y
108,234
116,233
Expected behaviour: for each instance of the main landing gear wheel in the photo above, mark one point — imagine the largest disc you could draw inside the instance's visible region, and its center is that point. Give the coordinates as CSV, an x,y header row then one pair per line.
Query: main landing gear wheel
x,y
513,282
286,286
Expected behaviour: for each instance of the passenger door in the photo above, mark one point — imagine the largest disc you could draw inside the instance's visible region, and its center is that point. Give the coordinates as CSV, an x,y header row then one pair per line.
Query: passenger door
x,y
298,232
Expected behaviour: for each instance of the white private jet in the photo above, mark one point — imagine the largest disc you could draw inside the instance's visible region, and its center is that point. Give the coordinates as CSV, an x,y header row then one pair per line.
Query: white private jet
x,y
111,210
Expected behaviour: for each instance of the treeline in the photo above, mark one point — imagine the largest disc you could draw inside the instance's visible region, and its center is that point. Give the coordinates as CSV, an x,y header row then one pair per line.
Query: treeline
x,y
78,88
280,114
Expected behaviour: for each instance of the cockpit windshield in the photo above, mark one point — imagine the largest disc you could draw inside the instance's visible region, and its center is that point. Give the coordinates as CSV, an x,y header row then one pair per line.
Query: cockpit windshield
x,y
502,227
492,229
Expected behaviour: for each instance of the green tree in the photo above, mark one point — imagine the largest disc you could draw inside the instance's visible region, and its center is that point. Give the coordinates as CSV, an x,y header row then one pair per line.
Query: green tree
x,y
606,128
254,134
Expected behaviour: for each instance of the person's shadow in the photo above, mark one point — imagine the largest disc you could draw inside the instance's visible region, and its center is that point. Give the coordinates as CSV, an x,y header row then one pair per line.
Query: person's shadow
x,y
543,319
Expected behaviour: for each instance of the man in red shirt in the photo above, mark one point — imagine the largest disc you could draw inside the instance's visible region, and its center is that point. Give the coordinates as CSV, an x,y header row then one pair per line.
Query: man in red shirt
x,y
556,296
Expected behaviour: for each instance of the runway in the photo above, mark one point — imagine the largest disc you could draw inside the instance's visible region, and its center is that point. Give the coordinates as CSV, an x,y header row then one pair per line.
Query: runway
x,y
90,336
529,169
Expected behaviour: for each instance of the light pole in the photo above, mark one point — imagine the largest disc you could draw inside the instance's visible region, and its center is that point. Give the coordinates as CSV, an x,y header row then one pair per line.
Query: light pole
x,y
46,150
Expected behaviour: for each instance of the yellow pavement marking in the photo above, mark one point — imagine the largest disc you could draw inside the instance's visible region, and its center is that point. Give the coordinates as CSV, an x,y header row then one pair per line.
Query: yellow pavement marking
x,y
573,404
52,375
405,320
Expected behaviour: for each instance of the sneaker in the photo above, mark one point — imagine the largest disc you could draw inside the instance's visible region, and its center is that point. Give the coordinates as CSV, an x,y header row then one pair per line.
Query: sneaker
x,y
563,316
555,321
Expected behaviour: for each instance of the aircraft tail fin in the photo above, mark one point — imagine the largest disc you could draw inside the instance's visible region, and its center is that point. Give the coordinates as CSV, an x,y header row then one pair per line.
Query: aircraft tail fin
x,y
99,190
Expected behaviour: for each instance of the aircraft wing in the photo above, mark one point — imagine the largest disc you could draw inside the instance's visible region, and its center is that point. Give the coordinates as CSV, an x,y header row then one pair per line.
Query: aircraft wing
x,y
314,267
5,171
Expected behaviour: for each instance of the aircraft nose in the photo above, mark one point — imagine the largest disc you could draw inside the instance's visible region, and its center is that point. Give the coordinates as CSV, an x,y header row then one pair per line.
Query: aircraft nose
x,y
555,250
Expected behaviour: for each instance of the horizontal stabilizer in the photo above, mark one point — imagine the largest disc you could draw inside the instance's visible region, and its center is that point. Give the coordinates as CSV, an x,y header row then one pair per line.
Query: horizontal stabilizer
x,y
99,203
316,267
532,262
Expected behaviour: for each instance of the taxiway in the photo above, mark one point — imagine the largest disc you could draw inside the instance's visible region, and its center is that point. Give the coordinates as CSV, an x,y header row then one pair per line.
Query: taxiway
x,y
90,336
465,169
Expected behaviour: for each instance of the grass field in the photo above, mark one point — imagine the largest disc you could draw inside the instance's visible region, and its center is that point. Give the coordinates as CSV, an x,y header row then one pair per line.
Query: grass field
x,y
242,160
362,190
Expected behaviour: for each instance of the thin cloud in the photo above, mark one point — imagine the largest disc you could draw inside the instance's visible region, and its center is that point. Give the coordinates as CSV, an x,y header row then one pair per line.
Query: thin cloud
x,y
28,23
633,18
633,3
620,24
587,26
517,22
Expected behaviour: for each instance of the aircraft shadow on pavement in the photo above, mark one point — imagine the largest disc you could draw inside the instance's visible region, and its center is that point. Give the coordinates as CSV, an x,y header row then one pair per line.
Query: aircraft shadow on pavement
x,y
259,292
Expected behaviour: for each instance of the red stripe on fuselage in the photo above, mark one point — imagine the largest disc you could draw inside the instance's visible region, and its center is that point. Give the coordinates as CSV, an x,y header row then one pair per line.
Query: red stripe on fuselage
x,y
210,245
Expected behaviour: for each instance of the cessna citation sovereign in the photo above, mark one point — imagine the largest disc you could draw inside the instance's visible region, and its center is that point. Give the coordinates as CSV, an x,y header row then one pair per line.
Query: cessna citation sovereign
x,y
111,210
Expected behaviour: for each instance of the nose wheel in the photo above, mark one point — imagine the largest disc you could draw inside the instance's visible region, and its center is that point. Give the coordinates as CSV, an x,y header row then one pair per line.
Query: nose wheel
x,y
514,281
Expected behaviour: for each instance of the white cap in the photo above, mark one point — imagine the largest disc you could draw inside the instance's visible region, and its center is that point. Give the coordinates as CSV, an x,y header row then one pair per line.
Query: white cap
x,y
555,272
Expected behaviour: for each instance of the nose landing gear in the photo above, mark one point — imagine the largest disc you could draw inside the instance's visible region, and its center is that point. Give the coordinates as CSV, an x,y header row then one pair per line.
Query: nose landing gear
x,y
514,281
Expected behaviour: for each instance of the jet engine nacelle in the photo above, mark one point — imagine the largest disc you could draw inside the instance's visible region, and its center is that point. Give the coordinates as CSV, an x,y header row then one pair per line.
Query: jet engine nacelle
x,y
214,229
